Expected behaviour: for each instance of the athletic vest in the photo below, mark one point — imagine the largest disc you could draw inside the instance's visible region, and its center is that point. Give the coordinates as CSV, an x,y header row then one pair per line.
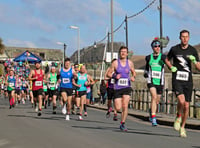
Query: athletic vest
x,y
38,83
156,69
66,78
18,84
24,85
53,81
81,81
124,81
111,82
44,87
11,83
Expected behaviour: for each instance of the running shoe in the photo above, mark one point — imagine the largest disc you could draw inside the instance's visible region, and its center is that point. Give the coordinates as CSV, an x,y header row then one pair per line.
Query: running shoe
x,y
150,119
177,123
123,128
54,112
108,113
182,133
67,118
115,117
10,107
85,114
80,118
73,112
154,122
39,113
64,109
36,109
78,111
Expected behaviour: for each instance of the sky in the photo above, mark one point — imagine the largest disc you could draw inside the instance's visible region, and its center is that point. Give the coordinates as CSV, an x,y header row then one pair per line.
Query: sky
x,y
43,23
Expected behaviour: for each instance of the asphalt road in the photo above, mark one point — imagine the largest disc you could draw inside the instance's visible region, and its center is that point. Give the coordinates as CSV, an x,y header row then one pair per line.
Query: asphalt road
x,y
20,127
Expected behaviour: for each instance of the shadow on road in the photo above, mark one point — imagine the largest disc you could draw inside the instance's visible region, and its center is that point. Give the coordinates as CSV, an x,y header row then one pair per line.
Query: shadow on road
x,y
130,131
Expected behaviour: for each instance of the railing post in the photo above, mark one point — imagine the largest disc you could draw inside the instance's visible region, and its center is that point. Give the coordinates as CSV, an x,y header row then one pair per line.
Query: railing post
x,y
166,100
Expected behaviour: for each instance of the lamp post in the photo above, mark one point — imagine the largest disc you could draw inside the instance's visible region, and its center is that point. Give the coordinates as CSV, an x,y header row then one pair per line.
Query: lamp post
x,y
60,43
161,27
112,35
78,41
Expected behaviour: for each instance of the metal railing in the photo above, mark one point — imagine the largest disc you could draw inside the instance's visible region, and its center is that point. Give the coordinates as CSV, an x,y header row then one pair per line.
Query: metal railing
x,y
141,100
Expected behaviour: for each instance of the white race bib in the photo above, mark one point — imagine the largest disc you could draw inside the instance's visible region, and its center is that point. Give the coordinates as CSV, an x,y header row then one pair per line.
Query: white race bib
x,y
123,82
11,84
156,74
112,81
52,84
38,83
44,87
66,80
82,78
182,75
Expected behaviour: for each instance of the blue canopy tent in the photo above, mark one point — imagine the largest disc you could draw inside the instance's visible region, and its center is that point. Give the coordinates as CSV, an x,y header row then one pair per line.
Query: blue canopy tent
x,y
27,56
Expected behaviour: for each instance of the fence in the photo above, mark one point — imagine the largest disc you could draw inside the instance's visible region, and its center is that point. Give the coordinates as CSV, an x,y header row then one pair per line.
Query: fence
x,y
141,100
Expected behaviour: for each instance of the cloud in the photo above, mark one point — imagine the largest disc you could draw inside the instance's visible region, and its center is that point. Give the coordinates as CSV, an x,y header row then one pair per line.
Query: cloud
x,y
70,10
183,10
20,43
17,15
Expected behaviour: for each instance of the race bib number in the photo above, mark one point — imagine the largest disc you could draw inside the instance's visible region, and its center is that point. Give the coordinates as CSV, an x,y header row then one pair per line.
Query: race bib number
x,y
11,84
82,78
112,81
182,75
123,82
38,83
156,74
66,80
51,84
44,87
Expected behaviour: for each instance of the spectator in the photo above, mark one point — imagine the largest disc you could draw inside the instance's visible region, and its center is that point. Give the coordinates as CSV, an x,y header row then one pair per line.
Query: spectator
x,y
103,91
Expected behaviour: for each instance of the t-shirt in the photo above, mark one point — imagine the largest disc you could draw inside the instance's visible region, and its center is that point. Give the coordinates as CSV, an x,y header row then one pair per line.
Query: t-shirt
x,y
182,62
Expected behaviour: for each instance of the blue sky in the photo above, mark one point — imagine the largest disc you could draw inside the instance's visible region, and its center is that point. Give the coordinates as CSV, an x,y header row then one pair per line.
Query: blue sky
x,y
42,23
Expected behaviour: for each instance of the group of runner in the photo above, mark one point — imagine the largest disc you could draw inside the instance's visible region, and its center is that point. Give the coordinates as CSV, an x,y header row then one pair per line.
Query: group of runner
x,y
72,83
179,60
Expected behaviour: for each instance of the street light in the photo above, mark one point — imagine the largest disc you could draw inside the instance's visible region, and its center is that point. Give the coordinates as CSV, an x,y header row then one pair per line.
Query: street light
x,y
60,43
78,41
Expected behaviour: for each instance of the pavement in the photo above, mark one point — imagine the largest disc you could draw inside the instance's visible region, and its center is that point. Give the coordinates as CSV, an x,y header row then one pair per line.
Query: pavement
x,y
162,119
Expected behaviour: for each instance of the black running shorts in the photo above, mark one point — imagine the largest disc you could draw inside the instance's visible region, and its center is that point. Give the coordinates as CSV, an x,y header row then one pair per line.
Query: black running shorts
x,y
159,88
118,93
183,88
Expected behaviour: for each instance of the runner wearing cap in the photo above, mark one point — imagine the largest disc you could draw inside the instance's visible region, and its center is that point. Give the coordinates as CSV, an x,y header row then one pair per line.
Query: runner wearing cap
x,y
154,73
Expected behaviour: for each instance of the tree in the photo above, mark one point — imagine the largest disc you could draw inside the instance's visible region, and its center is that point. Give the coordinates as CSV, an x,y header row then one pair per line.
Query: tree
x,y
2,46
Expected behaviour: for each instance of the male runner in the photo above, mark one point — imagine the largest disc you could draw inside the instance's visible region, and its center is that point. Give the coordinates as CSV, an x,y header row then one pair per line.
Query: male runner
x,y
110,92
122,68
37,76
52,78
154,73
66,75
183,56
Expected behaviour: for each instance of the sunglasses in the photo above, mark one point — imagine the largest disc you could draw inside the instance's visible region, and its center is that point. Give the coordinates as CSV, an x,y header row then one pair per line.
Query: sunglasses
x,y
157,46
75,66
